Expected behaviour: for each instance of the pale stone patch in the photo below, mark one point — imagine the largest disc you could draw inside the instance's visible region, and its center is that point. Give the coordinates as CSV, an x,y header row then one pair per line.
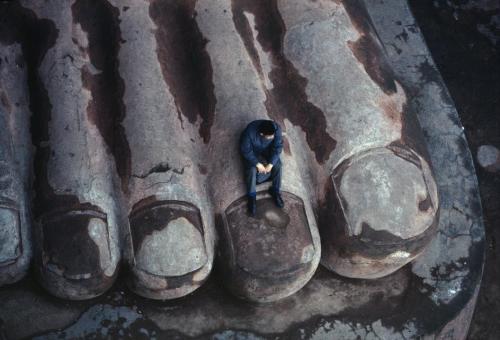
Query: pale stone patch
x,y
384,191
9,235
175,250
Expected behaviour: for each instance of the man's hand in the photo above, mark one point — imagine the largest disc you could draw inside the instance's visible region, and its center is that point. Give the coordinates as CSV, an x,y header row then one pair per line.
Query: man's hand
x,y
261,168
268,167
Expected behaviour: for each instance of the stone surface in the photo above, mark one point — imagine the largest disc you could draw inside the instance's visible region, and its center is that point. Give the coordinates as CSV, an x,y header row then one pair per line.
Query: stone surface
x,y
371,230
73,167
161,107
15,159
10,240
242,96
434,294
468,62
268,256
489,157
175,250
75,245
170,253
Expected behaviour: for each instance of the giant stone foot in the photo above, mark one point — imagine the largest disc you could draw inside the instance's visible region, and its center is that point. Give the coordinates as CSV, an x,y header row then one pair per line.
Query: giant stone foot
x,y
137,107
137,110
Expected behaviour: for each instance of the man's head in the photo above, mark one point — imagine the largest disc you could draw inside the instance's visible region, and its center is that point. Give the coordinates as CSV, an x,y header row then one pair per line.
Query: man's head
x,y
266,129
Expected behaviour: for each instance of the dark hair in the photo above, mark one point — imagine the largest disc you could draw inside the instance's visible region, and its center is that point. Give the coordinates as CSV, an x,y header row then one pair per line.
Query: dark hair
x,y
267,128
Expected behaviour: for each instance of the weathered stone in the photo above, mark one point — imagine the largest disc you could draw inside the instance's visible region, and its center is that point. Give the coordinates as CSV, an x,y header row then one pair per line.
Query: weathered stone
x,y
269,254
15,155
433,297
76,233
170,258
10,194
10,240
489,157
168,110
75,245
378,199
174,250
242,95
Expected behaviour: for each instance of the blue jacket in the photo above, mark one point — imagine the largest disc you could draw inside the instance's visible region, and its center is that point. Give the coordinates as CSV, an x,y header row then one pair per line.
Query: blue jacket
x,y
253,146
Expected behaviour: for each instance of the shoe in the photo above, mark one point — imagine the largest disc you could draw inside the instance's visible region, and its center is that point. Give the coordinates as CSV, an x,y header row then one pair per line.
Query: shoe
x,y
277,198
252,206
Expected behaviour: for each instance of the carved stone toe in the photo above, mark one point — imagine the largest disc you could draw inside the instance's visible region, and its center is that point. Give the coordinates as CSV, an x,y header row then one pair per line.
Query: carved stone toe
x,y
386,206
271,255
75,254
169,250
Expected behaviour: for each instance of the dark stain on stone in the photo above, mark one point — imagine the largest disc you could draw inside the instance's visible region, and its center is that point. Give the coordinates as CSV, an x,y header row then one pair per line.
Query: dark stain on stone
x,y
149,215
99,19
68,247
377,244
19,61
162,167
390,109
411,134
80,47
184,62
203,169
287,99
272,243
405,153
236,279
286,146
331,221
36,36
367,48
173,282
403,36
425,204
366,51
370,243
428,73
5,101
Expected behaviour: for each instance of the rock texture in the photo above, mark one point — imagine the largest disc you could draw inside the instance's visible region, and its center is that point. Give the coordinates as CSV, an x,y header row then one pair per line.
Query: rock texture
x,y
432,297
379,203
166,92
489,157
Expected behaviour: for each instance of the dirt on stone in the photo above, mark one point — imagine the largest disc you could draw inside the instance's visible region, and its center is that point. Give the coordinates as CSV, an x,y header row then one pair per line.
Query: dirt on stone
x,y
464,40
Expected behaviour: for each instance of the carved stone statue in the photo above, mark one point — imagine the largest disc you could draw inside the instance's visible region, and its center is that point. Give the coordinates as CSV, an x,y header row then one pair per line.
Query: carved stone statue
x,y
119,135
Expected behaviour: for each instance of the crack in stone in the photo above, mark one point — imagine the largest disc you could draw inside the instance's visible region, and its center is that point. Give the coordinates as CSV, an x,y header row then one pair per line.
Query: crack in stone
x,y
162,167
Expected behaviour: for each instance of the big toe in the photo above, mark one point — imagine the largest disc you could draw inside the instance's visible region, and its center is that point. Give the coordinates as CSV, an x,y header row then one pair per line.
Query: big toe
x,y
388,211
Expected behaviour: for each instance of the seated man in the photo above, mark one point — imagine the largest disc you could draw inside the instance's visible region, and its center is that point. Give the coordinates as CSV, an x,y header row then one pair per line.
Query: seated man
x,y
260,145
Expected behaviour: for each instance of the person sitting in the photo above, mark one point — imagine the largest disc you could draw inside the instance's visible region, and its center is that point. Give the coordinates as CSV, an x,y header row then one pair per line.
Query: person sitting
x,y
261,144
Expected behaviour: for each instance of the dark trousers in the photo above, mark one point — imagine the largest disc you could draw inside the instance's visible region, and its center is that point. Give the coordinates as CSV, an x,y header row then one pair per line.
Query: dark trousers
x,y
253,177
